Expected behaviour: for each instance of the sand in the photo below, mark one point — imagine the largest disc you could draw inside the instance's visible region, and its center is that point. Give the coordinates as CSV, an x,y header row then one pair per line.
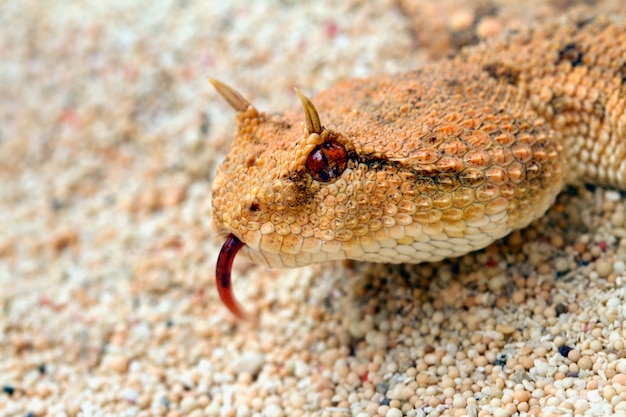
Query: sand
x,y
109,139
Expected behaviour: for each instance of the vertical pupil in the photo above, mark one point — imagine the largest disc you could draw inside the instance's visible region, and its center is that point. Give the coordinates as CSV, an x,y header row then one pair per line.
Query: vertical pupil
x,y
324,154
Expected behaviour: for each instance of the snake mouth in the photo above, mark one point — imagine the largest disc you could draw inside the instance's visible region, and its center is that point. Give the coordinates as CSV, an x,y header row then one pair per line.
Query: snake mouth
x,y
229,250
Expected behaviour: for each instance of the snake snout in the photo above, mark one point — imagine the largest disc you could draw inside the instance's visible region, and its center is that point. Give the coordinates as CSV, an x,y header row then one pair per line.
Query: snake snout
x,y
222,275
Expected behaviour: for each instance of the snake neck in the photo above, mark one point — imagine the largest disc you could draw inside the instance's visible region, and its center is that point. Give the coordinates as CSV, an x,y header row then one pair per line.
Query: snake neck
x,y
574,77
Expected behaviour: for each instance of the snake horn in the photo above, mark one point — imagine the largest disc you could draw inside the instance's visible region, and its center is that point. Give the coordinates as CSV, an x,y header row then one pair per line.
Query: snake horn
x,y
311,117
232,97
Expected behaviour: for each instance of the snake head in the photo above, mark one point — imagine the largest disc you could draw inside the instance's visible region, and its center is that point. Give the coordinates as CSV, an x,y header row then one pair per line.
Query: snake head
x,y
404,168
265,194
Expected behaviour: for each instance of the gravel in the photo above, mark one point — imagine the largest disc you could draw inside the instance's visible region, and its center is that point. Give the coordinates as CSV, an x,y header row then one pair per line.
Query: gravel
x,y
109,138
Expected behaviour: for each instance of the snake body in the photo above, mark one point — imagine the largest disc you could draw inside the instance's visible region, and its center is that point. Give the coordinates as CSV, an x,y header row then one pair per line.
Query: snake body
x,y
428,164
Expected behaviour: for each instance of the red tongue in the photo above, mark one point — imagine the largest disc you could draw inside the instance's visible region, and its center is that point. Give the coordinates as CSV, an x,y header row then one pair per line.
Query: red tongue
x,y
222,275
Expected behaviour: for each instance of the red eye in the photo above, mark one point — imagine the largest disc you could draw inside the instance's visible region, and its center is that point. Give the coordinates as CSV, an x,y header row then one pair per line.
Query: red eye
x,y
327,161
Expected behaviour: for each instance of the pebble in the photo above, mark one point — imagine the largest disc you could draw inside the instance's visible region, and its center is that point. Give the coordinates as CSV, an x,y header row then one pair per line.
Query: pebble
x,y
488,27
497,283
584,363
561,265
502,412
117,363
594,396
249,362
273,410
620,366
619,379
297,400
603,267
574,355
618,218
521,396
37,407
203,328
394,412
461,20
188,404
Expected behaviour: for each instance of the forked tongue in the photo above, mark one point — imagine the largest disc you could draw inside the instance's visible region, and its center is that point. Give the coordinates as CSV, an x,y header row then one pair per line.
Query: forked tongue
x,y
222,276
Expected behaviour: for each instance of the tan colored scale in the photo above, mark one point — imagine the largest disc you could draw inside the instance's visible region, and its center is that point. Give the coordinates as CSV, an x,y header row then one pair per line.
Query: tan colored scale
x,y
441,161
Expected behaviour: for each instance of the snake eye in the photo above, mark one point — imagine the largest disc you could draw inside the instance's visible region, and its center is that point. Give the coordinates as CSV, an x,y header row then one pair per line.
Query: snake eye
x,y
327,161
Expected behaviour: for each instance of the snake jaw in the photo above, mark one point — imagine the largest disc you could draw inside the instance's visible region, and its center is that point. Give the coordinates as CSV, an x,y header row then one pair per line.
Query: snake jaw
x,y
229,250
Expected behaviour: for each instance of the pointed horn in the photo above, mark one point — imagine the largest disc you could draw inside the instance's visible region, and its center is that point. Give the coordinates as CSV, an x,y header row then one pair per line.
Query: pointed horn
x,y
233,98
311,118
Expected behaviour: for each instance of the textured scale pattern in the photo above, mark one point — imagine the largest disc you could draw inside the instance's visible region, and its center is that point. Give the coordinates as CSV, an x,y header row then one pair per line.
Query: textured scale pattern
x,y
442,160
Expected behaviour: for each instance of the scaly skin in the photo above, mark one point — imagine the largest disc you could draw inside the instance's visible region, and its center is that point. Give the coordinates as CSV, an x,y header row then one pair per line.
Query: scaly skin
x,y
441,161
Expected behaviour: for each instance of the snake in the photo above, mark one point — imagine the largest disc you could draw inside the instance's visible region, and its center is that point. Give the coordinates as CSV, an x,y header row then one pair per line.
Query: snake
x,y
427,164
